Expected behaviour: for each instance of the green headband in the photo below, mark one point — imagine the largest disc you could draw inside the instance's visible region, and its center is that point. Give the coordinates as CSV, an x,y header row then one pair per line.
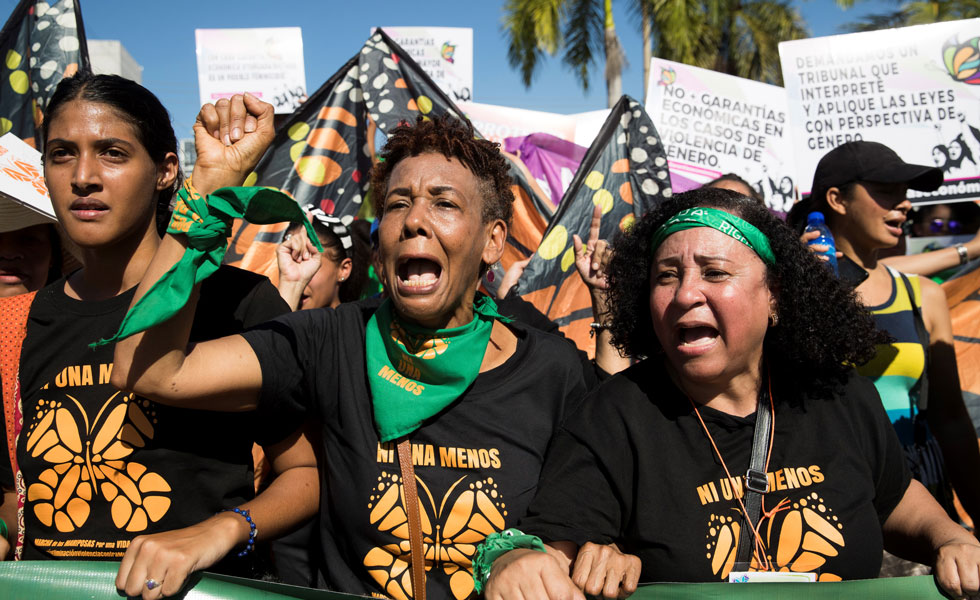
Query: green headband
x,y
725,222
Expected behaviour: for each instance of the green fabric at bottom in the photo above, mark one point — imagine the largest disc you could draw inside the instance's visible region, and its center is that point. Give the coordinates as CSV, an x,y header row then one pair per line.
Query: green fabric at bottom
x,y
897,588
68,580
78,580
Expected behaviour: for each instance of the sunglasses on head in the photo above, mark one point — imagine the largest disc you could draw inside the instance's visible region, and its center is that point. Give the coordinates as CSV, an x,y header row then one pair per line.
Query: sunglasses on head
x,y
942,225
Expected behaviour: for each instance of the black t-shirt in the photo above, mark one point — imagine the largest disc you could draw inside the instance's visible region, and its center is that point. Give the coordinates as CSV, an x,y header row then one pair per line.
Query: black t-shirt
x,y
101,466
635,466
521,310
477,462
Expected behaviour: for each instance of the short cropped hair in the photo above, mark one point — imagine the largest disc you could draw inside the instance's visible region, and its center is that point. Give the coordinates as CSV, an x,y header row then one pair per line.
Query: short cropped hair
x,y
453,139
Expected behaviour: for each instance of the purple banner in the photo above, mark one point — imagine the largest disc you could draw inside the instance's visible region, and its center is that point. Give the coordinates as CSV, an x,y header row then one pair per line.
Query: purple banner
x,y
552,161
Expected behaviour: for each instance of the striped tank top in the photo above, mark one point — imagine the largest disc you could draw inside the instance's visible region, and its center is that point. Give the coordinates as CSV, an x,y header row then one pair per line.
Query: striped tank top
x,y
897,367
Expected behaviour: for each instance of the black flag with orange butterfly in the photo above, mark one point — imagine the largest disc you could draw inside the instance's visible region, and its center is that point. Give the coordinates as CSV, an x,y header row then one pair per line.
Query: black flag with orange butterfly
x,y
625,173
323,154
40,44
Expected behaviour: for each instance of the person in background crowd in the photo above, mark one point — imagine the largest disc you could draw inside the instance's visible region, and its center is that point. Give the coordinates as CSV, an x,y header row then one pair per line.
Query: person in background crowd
x,y
935,219
731,181
29,257
742,326
32,253
338,277
432,372
861,188
98,464
938,261
591,257
961,218
309,280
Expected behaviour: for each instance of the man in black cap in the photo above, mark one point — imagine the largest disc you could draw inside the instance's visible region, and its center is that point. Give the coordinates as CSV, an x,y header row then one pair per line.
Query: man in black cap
x,y
861,187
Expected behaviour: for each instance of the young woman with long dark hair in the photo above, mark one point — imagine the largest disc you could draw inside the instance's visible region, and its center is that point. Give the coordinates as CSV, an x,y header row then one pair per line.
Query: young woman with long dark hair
x,y
96,466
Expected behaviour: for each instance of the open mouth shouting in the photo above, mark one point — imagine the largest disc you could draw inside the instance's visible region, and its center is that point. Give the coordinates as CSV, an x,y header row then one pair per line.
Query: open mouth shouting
x,y
696,338
417,274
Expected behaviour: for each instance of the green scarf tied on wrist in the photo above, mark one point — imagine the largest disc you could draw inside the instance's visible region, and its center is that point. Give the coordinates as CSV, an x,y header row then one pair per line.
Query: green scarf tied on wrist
x,y
720,220
206,225
414,372
496,545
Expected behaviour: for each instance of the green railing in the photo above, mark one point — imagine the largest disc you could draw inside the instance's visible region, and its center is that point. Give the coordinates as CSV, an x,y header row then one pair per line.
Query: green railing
x,y
32,580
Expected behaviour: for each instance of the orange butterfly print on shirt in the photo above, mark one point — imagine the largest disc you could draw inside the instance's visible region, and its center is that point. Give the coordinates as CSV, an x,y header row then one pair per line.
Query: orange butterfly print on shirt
x,y
451,531
87,461
799,536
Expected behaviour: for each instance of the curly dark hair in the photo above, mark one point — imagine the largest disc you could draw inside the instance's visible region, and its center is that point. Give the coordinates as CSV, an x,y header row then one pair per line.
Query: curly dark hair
x,y
822,332
453,139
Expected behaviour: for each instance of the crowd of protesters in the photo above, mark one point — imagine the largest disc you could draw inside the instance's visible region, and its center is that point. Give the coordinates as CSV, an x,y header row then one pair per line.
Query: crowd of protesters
x,y
747,410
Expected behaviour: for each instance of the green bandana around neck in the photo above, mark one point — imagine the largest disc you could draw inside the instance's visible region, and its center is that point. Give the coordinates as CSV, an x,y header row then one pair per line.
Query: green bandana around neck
x,y
206,225
725,222
414,373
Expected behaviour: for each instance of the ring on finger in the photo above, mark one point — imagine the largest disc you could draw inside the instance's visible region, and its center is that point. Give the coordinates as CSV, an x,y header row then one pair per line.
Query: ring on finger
x,y
152,584
286,238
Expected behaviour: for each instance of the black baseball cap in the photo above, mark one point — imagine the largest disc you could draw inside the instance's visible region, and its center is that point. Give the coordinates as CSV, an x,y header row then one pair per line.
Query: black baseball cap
x,y
874,162
863,161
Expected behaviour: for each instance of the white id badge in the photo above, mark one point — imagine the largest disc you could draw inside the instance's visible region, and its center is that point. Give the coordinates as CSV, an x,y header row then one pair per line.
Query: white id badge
x,y
770,577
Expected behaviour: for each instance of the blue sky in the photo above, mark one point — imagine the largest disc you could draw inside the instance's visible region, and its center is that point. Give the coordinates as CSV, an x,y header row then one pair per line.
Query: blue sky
x,y
160,36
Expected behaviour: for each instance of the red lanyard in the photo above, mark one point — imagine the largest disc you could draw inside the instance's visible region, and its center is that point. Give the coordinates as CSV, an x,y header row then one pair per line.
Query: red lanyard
x,y
760,553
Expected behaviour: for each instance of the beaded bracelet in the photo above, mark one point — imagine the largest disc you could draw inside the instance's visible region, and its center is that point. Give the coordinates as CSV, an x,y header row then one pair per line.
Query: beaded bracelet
x,y
594,327
253,530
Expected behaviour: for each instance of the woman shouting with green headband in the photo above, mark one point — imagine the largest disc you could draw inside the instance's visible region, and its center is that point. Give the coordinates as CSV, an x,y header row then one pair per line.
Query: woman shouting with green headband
x,y
744,446
433,411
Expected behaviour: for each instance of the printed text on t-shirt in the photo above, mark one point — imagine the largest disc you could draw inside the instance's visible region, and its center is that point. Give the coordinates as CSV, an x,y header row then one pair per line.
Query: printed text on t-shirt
x,y
427,455
788,478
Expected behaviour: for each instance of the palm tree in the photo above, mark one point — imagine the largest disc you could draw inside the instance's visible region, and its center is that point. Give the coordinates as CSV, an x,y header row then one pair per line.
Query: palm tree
x,y
738,37
537,28
918,13
647,33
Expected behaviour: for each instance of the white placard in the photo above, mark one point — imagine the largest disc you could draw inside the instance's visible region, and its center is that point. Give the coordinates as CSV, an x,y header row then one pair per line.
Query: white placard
x,y
914,89
497,123
265,62
712,124
444,53
22,177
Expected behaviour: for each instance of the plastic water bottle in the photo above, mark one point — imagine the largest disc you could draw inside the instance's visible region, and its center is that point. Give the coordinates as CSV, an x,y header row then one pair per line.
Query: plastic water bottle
x,y
815,222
